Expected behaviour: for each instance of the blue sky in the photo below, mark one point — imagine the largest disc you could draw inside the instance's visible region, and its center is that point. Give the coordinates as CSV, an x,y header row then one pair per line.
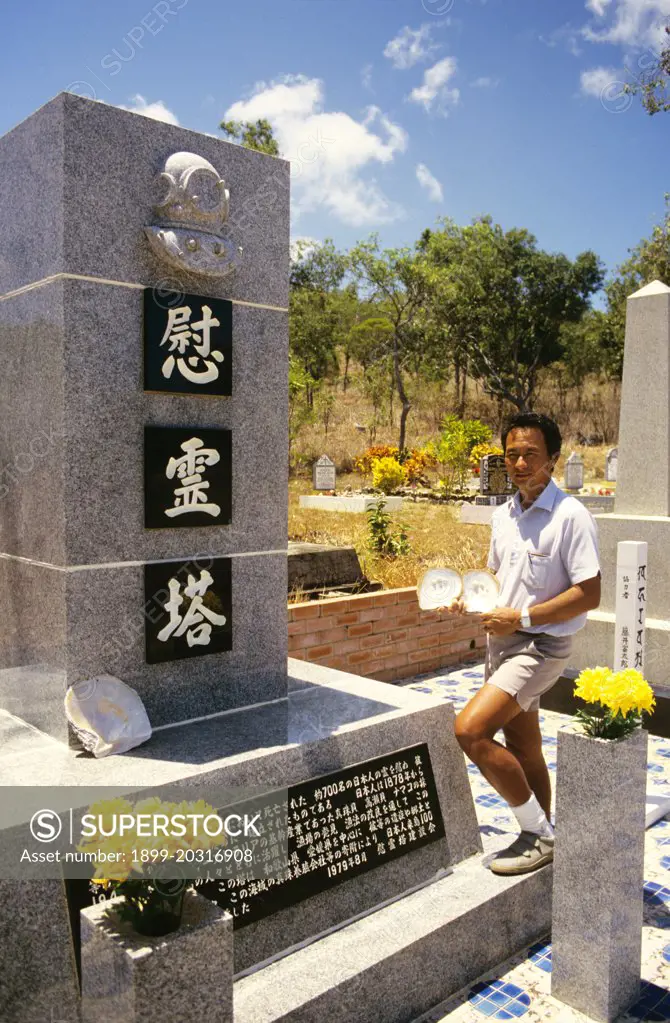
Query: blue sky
x,y
394,112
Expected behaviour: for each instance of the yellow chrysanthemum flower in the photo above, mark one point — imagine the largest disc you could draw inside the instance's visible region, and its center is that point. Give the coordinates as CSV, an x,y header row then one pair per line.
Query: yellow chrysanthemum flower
x,y
591,684
628,691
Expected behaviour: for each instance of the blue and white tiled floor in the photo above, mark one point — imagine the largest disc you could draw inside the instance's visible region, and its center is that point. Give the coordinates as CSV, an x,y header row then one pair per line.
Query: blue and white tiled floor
x,y
520,988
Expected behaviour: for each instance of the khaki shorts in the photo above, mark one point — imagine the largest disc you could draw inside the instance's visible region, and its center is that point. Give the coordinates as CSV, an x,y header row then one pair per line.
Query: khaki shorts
x,y
526,664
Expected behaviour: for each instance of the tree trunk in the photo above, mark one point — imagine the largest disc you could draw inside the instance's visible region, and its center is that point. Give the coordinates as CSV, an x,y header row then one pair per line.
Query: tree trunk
x,y
400,387
457,378
501,415
345,380
464,383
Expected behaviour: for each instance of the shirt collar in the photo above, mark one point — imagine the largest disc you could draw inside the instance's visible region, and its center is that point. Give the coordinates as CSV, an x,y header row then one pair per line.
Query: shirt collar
x,y
545,500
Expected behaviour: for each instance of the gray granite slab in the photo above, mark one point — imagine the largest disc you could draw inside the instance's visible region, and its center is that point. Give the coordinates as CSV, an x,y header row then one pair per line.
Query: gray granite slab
x,y
396,963
598,873
129,978
72,430
38,975
81,176
333,721
92,622
31,170
33,456
643,481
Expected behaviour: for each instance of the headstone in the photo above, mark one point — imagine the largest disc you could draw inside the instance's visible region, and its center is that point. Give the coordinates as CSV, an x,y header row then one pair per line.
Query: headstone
x,y
323,474
573,477
631,605
643,483
130,531
611,465
493,477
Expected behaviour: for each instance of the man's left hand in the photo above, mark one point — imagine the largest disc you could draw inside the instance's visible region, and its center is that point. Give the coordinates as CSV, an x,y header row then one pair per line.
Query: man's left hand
x,y
502,621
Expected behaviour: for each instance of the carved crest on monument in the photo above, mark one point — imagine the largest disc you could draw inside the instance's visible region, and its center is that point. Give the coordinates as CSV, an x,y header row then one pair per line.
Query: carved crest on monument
x,y
191,217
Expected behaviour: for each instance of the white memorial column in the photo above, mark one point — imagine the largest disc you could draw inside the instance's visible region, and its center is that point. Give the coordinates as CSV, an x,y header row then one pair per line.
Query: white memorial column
x,y
631,605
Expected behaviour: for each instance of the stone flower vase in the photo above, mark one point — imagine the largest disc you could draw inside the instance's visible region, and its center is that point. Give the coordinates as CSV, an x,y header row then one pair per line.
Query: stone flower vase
x,y
598,872
187,974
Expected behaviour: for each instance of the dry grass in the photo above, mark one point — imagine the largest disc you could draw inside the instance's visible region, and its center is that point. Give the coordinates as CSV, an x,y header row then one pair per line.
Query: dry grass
x,y
591,409
436,536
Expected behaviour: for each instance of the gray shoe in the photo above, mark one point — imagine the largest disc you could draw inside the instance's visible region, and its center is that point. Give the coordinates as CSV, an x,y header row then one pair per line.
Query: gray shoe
x,y
528,852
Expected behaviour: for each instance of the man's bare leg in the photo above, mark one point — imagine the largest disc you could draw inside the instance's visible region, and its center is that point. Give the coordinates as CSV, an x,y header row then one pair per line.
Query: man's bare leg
x,y
488,711
523,738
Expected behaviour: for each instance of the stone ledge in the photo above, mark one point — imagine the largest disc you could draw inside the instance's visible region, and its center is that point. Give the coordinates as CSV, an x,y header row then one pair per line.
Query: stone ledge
x,y
403,959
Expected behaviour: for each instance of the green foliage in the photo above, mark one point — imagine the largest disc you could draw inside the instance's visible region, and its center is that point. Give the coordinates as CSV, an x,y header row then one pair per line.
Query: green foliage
x,y
318,308
504,301
600,723
300,412
452,451
649,261
256,135
387,475
381,540
654,84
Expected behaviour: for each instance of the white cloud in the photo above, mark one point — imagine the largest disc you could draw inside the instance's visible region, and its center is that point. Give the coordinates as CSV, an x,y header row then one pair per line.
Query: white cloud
x,y
429,182
303,245
331,153
410,46
598,6
366,76
157,110
485,83
594,81
434,87
636,23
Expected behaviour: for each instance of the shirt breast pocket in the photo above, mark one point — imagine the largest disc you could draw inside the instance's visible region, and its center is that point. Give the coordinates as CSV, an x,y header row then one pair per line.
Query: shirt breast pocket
x,y
539,566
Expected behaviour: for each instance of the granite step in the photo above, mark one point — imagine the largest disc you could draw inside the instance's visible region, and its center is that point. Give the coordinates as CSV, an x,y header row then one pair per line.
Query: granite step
x,y
395,963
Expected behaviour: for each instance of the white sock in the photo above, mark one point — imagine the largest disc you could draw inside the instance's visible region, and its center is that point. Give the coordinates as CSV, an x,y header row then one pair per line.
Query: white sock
x,y
531,817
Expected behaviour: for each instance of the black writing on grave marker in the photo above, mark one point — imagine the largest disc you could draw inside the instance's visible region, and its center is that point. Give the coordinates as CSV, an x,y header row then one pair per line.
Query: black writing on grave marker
x,y
336,827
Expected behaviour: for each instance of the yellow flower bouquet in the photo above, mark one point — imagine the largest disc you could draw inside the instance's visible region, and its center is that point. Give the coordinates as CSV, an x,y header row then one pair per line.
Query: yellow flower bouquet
x,y
143,867
618,701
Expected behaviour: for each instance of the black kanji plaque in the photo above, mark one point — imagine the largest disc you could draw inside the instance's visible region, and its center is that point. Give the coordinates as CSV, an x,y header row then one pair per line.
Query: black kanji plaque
x,y
187,477
335,827
185,603
187,343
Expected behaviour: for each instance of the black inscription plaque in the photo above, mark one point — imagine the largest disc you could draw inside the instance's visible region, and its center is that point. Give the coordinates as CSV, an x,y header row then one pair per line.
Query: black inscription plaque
x,y
187,477
188,609
187,343
337,826
493,477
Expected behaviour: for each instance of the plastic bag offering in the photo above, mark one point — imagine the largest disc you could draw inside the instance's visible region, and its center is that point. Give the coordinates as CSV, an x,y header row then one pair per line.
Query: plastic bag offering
x,y
107,715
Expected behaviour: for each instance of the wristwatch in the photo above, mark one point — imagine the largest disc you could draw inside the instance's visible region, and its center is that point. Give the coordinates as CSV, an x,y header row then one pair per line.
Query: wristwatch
x,y
525,618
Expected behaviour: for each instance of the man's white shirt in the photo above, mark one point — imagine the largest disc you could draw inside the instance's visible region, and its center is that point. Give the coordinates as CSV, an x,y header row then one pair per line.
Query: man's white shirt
x,y
542,551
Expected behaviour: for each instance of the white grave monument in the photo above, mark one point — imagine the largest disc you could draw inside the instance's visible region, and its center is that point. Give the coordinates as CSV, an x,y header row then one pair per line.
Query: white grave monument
x,y
642,504
611,465
574,472
323,474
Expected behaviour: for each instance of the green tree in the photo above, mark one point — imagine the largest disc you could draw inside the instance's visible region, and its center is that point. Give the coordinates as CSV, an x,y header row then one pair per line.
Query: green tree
x,y
653,86
256,135
393,278
316,309
503,301
648,261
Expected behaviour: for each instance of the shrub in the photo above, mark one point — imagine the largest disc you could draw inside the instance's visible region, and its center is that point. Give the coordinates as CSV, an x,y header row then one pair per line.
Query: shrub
x,y
364,462
380,539
387,475
452,451
415,464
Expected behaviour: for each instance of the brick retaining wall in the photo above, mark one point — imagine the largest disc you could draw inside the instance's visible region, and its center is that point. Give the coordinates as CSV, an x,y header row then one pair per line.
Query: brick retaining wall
x,y
382,635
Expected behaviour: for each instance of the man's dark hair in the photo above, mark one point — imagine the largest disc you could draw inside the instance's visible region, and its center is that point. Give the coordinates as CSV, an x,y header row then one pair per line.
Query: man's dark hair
x,y
550,430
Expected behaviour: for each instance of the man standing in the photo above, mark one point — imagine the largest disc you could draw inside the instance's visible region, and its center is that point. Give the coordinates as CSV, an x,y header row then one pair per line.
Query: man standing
x,y
544,551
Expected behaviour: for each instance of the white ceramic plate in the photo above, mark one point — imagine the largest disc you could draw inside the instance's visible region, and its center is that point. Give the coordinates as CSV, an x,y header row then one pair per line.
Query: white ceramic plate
x,y
438,587
480,591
